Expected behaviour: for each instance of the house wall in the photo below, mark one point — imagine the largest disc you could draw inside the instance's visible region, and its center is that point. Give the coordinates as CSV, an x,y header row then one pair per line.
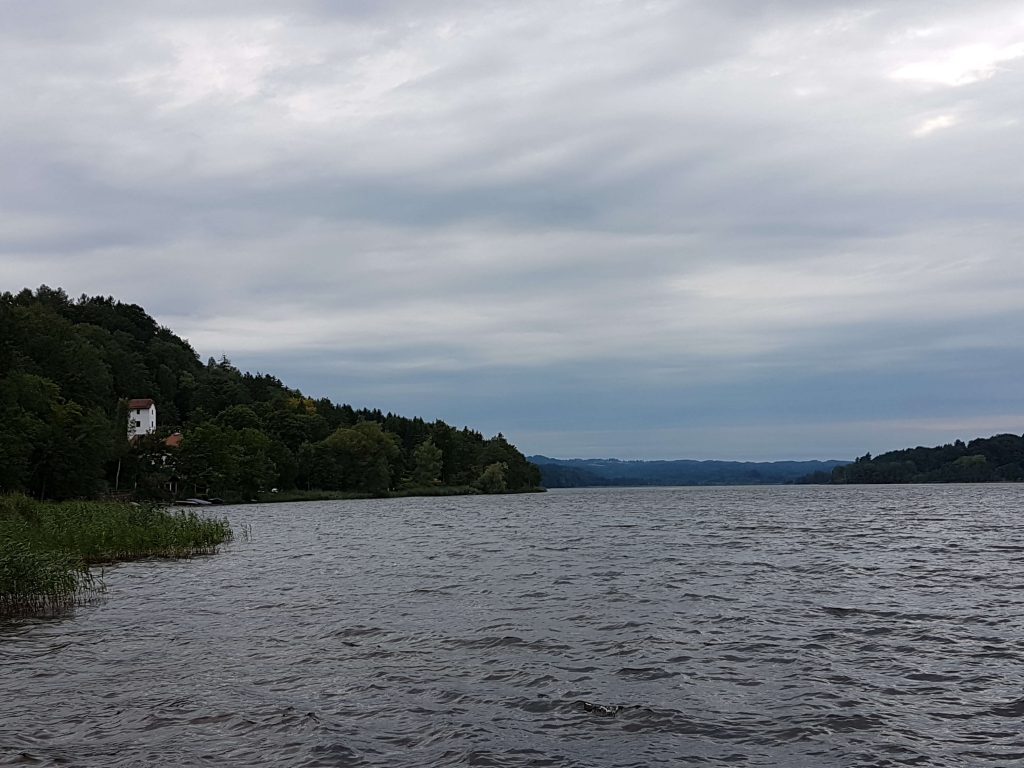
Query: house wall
x,y
141,421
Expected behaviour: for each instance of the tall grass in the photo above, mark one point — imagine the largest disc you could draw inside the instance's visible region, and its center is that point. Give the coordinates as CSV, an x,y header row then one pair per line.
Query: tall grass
x,y
46,548
34,582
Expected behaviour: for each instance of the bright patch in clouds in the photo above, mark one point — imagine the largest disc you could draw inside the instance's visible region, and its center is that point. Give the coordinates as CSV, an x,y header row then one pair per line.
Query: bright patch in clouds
x,y
935,124
962,66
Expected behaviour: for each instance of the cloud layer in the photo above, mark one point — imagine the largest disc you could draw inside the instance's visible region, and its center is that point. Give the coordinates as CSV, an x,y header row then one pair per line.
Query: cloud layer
x,y
637,229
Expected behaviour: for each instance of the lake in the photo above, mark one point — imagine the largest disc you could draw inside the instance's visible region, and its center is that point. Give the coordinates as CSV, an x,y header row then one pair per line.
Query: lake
x,y
760,626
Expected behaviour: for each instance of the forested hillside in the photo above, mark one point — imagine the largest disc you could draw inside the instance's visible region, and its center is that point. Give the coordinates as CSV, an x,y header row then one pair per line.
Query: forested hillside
x,y
993,459
576,473
67,368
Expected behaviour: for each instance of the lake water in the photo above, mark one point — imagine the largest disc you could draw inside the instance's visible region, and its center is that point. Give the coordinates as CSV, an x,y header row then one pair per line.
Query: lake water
x,y
785,626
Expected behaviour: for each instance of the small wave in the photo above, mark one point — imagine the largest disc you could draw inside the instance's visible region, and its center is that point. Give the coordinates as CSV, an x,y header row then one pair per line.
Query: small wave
x,y
646,673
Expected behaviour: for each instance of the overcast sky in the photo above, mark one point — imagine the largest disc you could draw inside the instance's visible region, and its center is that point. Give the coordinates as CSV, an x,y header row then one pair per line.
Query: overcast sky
x,y
666,229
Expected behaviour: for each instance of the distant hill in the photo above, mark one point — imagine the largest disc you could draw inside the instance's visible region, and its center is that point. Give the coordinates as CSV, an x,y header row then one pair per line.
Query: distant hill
x,y
581,473
999,458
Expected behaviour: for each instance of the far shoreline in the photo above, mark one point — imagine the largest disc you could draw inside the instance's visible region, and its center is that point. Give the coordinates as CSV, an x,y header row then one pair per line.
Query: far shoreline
x,y
439,492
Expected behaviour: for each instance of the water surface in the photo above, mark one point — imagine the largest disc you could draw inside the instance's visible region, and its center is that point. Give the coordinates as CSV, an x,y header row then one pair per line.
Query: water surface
x,y
766,626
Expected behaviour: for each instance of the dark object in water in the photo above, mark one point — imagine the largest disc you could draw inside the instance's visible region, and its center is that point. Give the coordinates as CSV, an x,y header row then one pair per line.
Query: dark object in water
x,y
602,710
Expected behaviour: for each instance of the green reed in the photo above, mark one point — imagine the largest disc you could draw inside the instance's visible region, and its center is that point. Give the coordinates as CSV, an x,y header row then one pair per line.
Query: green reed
x,y
34,582
46,548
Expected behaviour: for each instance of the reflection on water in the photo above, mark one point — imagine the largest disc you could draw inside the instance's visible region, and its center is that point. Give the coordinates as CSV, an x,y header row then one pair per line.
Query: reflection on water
x,y
848,626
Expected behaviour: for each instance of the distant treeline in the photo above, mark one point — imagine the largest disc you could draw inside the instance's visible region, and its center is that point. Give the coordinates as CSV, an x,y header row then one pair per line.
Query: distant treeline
x,y
985,460
68,367
581,473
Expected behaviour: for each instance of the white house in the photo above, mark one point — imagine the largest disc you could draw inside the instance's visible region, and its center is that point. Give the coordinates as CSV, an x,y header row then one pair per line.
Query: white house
x,y
141,418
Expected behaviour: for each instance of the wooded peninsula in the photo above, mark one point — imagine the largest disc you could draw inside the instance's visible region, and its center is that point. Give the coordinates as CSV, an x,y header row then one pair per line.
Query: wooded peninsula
x,y
70,369
996,459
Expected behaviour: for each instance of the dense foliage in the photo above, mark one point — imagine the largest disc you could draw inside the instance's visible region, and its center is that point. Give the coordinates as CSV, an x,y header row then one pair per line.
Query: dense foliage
x,y
67,368
993,459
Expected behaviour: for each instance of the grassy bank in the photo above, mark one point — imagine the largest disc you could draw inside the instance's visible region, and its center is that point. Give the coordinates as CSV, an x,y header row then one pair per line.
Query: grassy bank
x,y
426,490
298,495
436,490
46,548
314,495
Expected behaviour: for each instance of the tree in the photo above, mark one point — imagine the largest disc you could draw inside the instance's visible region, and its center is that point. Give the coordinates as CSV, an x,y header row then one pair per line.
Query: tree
x,y
26,404
206,461
968,469
255,470
493,478
427,469
360,458
69,462
226,462
519,473
239,417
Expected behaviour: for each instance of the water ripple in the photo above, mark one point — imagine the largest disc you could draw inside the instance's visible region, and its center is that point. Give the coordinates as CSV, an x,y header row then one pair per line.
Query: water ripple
x,y
716,627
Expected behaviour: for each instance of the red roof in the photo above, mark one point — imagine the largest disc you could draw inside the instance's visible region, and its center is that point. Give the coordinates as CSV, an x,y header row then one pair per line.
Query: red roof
x,y
140,403
174,441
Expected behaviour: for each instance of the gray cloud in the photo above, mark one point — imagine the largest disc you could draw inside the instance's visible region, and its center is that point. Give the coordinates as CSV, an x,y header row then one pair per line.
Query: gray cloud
x,y
483,210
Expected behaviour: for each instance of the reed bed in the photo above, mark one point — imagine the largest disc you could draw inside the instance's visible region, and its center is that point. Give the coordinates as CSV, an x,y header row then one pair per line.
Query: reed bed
x,y
46,548
34,583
